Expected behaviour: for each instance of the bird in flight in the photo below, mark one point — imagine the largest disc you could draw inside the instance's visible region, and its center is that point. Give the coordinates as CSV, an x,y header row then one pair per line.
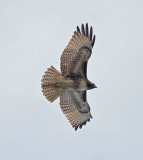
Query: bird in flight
x,y
72,83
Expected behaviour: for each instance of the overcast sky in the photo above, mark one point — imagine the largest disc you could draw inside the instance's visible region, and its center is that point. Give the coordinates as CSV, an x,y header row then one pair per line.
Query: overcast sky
x,y
33,34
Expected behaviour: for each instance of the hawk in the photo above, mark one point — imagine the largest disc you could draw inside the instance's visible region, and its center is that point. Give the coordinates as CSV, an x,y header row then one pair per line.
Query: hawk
x,y
71,84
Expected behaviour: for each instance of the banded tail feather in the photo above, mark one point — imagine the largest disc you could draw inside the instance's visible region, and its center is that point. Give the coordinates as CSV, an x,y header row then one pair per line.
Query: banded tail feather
x,y
49,84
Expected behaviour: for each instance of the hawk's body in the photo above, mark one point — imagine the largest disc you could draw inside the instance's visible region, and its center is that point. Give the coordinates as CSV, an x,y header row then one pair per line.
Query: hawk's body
x,y
71,84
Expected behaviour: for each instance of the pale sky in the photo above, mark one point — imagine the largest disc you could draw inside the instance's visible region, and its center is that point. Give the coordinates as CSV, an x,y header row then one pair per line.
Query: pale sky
x,y
33,34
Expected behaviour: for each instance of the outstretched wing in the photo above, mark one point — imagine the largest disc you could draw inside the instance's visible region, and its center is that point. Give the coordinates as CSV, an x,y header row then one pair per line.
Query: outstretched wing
x,y
75,107
75,56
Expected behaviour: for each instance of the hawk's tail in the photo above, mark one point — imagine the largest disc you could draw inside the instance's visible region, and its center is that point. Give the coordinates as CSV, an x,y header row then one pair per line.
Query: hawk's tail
x,y
49,85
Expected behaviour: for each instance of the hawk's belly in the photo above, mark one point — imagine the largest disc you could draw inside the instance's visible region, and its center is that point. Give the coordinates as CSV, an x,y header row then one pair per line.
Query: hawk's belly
x,y
76,84
72,83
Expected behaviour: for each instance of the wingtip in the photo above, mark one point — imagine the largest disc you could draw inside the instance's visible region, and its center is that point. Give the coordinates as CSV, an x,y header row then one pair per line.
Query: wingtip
x,y
76,128
78,30
91,31
86,30
82,28
93,41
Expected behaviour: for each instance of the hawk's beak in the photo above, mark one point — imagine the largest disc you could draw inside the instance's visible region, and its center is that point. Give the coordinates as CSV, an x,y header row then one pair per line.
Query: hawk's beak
x,y
92,86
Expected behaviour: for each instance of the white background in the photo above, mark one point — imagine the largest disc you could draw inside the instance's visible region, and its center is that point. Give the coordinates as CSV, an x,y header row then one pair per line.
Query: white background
x,y
33,34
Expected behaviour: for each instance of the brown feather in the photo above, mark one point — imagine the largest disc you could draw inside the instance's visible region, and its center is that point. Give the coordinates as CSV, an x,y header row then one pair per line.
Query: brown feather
x,y
51,92
91,30
87,30
72,106
93,41
78,30
73,66
83,31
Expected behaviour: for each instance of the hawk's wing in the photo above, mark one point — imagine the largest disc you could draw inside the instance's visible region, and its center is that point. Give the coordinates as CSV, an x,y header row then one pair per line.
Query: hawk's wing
x,y
75,56
75,107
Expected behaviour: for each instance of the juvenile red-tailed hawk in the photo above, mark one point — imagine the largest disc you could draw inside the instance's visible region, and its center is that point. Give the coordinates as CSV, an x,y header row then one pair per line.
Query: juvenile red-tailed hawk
x,y
71,84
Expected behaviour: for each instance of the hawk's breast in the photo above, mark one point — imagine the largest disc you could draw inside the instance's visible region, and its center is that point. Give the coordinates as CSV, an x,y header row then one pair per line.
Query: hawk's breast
x,y
82,85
